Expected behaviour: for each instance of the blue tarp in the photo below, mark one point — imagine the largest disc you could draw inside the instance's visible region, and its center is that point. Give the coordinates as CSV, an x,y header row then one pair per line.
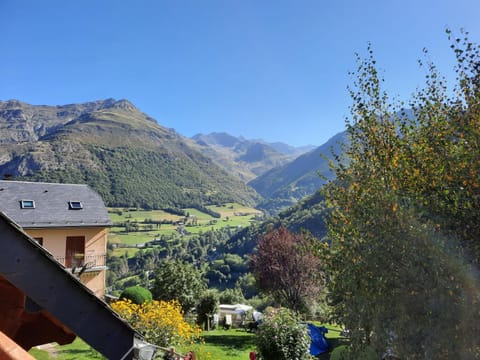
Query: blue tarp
x,y
318,344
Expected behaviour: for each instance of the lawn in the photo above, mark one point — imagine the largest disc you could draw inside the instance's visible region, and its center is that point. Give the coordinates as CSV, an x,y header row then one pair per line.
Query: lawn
x,y
77,350
233,344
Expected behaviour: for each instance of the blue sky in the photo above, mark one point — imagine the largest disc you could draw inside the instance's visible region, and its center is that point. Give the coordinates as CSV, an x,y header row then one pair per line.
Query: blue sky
x,y
271,69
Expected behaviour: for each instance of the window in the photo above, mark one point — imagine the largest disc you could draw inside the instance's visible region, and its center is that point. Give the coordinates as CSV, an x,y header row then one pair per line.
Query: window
x,y
27,204
39,240
75,205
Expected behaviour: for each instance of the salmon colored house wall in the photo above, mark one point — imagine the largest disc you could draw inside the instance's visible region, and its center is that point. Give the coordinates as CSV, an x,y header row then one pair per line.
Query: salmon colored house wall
x,y
95,281
54,240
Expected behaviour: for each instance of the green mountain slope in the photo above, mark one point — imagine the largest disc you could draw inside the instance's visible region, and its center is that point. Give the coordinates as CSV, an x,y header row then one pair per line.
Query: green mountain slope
x,y
308,214
287,184
118,150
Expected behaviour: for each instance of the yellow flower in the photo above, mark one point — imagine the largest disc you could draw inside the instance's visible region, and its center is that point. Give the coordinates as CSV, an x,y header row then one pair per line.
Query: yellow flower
x,y
160,322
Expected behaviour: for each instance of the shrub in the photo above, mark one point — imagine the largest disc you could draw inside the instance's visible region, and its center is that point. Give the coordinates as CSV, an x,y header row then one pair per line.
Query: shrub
x,y
281,336
160,322
136,294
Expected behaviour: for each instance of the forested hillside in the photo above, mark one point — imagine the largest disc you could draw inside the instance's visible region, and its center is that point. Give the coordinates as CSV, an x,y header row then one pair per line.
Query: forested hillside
x,y
308,214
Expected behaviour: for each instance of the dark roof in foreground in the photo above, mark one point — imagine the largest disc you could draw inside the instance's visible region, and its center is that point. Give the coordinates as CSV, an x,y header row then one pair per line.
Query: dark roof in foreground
x,y
55,205
49,286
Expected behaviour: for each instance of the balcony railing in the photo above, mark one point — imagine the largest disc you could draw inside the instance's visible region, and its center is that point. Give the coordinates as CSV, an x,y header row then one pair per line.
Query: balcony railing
x,y
82,260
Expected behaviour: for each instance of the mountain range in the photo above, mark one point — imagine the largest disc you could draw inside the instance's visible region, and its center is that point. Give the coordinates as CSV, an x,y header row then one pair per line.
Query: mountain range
x,y
285,185
121,152
246,158
133,161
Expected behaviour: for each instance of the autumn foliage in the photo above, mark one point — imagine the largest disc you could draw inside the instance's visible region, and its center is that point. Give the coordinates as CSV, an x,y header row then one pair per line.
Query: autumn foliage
x,y
404,216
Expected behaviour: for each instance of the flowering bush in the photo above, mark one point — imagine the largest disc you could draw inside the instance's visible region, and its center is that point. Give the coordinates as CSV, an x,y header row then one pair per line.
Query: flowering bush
x,y
161,322
281,336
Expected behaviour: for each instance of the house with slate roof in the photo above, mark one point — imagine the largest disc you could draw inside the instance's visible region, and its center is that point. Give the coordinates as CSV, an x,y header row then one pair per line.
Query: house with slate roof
x,y
68,220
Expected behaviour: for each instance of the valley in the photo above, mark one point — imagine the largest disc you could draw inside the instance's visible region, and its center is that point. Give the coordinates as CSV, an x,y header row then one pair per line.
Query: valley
x,y
203,200
140,239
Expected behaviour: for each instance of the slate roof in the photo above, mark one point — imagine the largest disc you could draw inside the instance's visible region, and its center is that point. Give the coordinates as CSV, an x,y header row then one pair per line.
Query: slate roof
x,y
50,287
52,205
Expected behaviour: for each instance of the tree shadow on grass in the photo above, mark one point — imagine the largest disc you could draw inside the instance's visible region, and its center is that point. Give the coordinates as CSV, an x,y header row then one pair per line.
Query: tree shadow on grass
x,y
238,339
332,344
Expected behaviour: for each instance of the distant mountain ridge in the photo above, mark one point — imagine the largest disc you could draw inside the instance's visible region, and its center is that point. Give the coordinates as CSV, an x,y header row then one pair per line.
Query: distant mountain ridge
x,y
285,185
247,158
123,153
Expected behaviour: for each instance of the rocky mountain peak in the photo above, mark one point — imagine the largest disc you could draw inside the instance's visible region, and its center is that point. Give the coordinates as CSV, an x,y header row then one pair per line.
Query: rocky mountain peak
x,y
11,104
122,104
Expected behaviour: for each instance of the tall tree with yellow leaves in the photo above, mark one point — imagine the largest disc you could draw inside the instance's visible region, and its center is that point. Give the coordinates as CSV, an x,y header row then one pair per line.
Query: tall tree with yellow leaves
x,y
404,216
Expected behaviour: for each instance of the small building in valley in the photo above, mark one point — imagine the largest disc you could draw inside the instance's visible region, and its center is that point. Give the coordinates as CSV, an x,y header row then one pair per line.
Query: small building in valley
x,y
233,315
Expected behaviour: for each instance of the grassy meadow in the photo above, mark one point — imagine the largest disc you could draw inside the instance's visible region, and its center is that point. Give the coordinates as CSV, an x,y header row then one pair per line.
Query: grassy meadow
x,y
232,214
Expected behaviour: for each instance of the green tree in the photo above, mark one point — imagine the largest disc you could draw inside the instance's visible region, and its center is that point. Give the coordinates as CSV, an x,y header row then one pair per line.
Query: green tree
x,y
207,306
177,280
402,218
247,285
231,296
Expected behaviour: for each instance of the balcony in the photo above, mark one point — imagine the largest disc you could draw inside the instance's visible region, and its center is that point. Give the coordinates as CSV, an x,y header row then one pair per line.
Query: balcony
x,y
80,263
